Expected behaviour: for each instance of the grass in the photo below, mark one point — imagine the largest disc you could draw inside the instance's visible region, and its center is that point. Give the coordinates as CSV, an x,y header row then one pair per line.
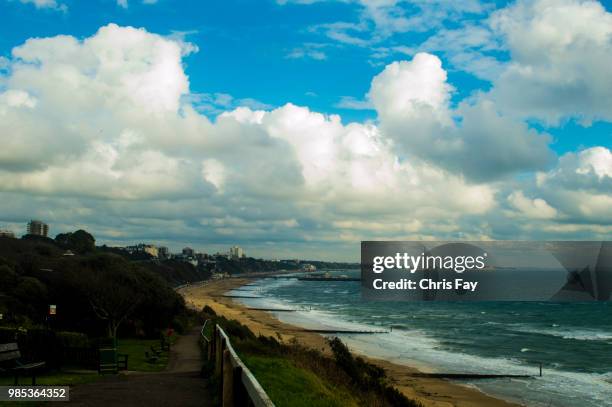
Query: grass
x,y
136,348
288,385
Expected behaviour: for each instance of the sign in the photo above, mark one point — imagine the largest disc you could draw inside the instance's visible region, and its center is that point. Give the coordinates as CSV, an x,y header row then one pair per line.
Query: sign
x,y
52,309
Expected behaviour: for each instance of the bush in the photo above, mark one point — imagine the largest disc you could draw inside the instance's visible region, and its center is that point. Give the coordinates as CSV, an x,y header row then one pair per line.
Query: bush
x,y
8,334
208,312
72,340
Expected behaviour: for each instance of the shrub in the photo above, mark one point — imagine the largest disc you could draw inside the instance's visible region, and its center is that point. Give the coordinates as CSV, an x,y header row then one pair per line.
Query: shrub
x,y
72,339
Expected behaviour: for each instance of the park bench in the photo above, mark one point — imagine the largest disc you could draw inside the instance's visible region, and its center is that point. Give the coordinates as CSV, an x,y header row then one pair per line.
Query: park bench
x,y
151,358
164,343
155,351
122,361
10,362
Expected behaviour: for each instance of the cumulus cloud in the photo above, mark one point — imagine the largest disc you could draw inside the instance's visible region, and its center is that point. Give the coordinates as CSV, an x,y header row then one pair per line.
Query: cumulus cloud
x,y
412,101
561,51
110,119
580,187
108,127
531,208
50,4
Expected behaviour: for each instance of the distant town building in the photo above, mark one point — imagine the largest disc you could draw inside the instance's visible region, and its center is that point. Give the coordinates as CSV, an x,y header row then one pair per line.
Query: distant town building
x,y
188,252
308,267
151,249
38,228
143,248
236,253
7,233
163,253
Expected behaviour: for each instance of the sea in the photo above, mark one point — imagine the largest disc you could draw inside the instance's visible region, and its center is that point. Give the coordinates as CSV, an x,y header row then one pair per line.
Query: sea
x,y
572,341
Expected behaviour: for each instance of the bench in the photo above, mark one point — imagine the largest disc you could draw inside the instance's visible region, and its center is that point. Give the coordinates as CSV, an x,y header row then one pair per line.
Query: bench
x,y
10,361
164,343
122,361
151,358
156,352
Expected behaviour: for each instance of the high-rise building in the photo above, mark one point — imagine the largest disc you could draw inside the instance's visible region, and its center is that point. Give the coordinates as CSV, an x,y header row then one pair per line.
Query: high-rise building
x,y
163,253
188,252
236,252
38,228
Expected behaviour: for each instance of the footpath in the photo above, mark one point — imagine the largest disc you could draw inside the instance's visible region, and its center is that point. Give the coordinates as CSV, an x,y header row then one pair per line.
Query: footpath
x,y
179,385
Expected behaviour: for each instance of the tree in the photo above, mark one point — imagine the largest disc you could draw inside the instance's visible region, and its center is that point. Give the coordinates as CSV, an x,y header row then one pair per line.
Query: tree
x,y
80,241
113,292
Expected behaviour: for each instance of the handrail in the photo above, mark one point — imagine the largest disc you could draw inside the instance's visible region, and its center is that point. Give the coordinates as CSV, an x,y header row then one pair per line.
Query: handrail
x,y
202,331
256,393
239,385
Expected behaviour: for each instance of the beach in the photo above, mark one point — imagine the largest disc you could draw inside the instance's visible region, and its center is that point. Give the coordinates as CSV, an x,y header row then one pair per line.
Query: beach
x,y
430,392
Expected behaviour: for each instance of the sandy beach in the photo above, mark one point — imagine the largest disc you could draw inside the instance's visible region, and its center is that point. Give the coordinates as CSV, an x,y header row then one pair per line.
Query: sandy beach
x,y
430,392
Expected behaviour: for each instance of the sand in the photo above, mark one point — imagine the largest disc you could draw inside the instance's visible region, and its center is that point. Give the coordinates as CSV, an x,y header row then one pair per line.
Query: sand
x,y
430,392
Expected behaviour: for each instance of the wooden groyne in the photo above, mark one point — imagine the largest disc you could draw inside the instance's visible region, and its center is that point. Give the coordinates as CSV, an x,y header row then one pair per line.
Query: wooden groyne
x,y
329,279
341,331
473,376
238,296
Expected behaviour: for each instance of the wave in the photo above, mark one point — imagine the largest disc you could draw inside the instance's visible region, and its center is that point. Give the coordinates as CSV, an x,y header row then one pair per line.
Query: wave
x,y
420,348
581,334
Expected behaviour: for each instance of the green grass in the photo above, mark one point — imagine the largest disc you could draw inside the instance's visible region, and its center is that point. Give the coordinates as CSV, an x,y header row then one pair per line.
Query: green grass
x,y
290,386
136,348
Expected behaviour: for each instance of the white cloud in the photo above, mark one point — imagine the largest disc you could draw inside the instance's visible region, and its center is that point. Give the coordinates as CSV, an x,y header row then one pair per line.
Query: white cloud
x,y
113,121
108,126
531,208
308,51
412,101
406,88
580,186
214,172
350,102
561,51
50,4
122,3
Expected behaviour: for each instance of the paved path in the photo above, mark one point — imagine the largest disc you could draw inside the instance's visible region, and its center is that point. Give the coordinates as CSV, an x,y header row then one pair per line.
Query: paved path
x,y
179,385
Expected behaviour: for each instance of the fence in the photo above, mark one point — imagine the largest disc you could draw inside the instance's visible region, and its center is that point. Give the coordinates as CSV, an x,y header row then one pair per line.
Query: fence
x,y
239,386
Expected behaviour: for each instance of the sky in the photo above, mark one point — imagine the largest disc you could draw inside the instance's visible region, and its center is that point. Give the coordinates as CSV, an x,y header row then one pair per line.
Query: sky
x,y
298,128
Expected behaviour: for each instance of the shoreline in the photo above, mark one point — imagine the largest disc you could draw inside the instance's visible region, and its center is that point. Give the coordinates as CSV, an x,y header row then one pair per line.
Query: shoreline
x,y
430,392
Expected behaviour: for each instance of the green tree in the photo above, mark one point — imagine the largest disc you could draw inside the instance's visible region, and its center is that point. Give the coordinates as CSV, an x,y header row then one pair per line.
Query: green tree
x,y
112,290
80,241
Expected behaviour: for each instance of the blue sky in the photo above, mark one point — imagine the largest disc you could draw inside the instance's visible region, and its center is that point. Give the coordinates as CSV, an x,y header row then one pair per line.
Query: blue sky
x,y
244,48
533,108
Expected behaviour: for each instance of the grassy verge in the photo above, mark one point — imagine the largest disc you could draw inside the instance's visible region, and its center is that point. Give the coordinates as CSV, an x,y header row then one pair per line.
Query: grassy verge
x,y
137,360
290,386
295,376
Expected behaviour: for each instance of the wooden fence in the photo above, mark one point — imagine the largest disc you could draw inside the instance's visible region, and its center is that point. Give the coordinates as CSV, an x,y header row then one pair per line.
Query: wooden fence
x,y
239,386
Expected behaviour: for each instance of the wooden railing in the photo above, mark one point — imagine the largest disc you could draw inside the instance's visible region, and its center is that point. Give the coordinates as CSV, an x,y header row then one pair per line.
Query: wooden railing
x,y
239,386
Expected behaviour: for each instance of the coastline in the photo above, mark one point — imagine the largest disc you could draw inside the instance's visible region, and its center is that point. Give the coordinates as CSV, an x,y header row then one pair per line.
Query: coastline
x,y
429,391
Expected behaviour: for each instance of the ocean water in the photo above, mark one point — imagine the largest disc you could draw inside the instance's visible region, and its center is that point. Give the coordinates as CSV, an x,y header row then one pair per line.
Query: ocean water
x,y
573,341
